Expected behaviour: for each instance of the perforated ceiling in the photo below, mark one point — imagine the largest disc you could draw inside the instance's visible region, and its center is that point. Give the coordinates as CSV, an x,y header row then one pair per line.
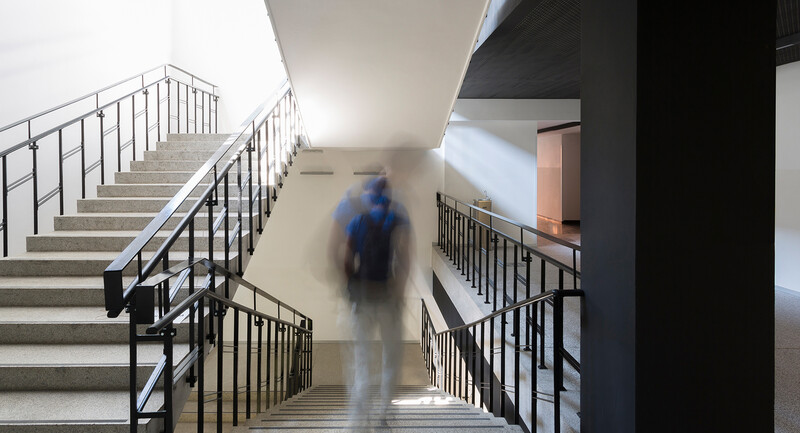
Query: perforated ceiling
x,y
535,52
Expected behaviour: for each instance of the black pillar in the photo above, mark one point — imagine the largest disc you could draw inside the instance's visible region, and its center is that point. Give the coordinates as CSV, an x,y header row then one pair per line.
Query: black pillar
x,y
677,181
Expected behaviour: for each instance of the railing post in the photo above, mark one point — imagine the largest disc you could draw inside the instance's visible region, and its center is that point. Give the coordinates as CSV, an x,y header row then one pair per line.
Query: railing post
x,y
119,140
134,411
33,147
102,115
235,364
5,207
558,361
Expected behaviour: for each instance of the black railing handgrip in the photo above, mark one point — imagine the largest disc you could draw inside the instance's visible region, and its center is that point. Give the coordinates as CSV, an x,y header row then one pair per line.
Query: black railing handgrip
x,y
524,302
241,281
176,311
225,301
58,107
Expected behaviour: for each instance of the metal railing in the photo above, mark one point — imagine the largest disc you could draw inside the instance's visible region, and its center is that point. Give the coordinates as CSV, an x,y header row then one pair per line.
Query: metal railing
x,y
100,123
462,360
257,155
469,236
286,354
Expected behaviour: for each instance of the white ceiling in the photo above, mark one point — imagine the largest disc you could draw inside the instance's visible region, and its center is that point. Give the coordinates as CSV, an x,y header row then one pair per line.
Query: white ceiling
x,y
376,73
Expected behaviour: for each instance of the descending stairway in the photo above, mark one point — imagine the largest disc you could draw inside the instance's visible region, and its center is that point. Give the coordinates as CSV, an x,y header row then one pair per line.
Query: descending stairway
x,y
415,409
63,363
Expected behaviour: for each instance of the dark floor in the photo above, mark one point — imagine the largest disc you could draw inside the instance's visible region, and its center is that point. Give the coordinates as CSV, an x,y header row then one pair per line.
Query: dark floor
x,y
787,336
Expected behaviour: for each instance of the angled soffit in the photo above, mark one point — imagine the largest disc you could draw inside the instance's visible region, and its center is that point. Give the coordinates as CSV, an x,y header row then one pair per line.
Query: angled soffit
x,y
533,54
375,73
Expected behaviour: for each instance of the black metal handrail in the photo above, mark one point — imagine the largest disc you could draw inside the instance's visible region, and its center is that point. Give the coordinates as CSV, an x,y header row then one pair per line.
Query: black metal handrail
x,y
96,93
257,155
115,296
474,247
461,359
290,352
87,142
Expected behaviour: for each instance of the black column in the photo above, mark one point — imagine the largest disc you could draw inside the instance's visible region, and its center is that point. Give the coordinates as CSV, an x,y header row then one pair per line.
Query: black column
x,y
677,181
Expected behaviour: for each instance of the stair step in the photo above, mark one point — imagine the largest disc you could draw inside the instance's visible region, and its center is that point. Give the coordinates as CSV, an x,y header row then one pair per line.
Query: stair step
x,y
172,165
166,190
178,155
141,204
55,263
198,137
157,177
64,291
68,325
116,241
71,412
136,221
64,367
189,145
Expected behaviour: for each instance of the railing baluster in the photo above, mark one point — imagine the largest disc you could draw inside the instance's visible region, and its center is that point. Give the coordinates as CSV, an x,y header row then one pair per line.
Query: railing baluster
x,y
33,147
119,139
260,336
5,207
60,172
220,363
248,375
235,363
540,322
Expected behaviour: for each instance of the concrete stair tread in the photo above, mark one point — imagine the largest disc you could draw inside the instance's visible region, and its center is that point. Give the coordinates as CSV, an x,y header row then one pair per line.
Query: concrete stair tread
x,y
82,354
51,315
51,282
221,137
66,407
119,233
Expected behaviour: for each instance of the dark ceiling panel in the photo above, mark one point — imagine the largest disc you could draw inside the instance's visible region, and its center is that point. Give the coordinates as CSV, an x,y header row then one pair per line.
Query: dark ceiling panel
x,y
533,54
787,24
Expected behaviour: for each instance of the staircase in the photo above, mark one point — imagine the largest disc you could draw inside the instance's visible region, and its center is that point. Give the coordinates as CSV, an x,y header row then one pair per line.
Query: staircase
x,y
415,409
63,363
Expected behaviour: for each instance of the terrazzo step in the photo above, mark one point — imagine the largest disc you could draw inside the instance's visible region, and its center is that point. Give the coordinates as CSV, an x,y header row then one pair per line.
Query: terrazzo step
x,y
220,137
157,177
141,204
65,291
166,190
69,325
137,221
78,367
72,412
179,155
116,241
202,146
72,263
414,409
171,165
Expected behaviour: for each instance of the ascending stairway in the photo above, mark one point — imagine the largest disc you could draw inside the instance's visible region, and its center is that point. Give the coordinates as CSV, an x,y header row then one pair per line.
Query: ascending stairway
x,y
415,409
63,363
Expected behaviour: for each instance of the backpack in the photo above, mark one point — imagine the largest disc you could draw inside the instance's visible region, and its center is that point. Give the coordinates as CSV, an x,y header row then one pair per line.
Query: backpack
x,y
375,252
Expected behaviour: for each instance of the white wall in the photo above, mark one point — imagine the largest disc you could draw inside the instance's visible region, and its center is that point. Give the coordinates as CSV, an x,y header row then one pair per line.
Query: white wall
x,y
291,261
491,145
51,52
229,43
571,176
558,173
548,166
787,176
